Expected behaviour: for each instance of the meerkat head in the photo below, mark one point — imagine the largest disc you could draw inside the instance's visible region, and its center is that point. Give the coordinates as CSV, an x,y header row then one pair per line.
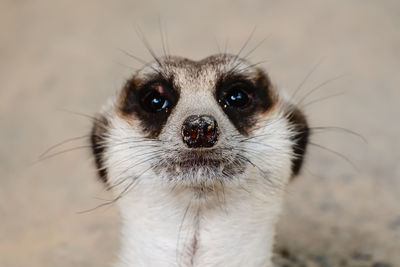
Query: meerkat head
x,y
198,124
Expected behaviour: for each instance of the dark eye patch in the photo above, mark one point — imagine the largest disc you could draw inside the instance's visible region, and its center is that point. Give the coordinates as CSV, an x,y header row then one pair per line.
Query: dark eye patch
x,y
243,98
151,101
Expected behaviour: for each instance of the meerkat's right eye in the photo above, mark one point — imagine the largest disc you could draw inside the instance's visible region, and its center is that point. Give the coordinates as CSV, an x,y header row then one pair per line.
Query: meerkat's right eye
x,y
154,99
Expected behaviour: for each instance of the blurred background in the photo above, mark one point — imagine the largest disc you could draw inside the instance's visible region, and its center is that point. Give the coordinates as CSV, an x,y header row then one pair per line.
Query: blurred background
x,y
61,59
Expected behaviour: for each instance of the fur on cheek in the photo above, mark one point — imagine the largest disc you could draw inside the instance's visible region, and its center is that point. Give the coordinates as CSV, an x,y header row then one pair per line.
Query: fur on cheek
x,y
270,147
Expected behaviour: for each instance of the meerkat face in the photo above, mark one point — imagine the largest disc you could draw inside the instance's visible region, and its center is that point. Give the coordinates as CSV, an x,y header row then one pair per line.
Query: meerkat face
x,y
199,123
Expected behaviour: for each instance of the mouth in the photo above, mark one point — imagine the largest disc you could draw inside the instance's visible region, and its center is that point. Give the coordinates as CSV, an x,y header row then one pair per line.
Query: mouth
x,y
200,161
201,167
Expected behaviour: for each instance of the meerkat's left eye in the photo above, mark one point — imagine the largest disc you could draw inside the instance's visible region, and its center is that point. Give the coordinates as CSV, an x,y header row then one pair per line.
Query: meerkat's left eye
x,y
238,96
155,99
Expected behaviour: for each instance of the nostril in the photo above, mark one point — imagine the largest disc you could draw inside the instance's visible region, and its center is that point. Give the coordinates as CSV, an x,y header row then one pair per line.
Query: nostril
x,y
192,133
209,132
199,131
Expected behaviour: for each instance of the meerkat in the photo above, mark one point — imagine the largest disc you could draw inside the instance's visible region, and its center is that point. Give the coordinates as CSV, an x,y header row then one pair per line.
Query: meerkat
x,y
198,155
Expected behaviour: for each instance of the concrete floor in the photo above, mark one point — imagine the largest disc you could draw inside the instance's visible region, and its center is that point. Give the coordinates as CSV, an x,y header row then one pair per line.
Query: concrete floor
x,y
65,55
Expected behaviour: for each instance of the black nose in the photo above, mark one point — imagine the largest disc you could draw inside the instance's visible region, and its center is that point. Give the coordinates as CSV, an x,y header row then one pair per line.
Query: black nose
x,y
200,131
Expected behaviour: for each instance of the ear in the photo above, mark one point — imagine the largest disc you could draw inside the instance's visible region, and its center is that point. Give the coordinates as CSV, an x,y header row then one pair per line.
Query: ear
x,y
300,138
97,140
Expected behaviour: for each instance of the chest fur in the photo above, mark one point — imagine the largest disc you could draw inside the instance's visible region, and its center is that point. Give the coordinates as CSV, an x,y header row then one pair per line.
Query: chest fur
x,y
227,228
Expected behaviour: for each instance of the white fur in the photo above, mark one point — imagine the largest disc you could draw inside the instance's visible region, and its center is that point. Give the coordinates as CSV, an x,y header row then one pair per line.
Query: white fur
x,y
235,231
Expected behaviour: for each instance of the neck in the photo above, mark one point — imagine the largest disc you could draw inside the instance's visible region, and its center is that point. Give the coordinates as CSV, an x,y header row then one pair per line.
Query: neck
x,y
230,226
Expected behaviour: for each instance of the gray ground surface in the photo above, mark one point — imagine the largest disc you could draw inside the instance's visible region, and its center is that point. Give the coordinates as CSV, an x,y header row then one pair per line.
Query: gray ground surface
x,y
57,55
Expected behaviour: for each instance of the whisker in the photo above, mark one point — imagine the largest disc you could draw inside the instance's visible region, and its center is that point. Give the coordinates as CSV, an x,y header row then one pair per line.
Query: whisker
x,y
140,161
246,42
252,152
305,79
162,37
313,174
237,56
226,46
61,152
146,146
125,66
129,187
336,153
110,202
318,87
131,139
254,65
341,129
120,179
140,60
263,172
263,144
318,100
79,114
62,143
217,43
107,203
261,124
255,136
167,39
146,43
107,143
255,48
